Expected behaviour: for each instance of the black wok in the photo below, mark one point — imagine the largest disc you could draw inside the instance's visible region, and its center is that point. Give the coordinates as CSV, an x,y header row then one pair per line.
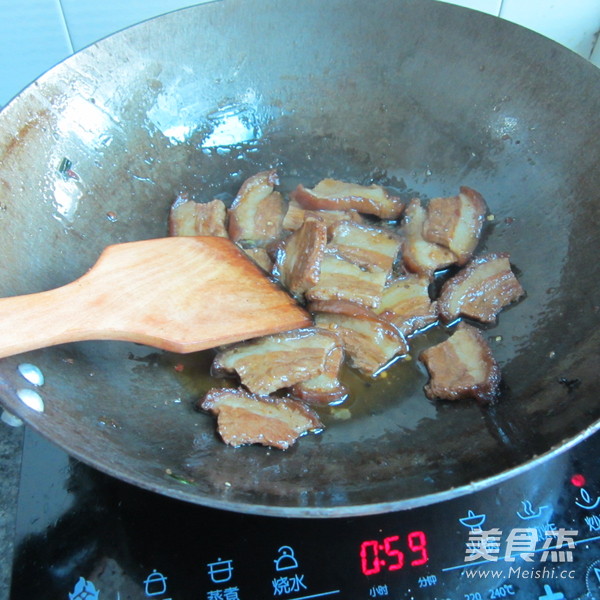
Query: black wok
x,y
416,95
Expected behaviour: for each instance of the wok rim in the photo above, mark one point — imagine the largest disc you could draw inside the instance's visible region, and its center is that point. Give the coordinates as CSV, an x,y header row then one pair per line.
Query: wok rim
x,y
341,511
318,512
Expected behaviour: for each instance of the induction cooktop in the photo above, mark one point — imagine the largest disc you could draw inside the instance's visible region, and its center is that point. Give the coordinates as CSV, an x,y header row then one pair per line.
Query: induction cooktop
x,y
82,535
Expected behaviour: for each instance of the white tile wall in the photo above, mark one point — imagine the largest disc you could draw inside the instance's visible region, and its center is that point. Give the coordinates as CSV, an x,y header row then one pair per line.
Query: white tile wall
x,y
572,23
491,7
36,34
595,57
90,21
33,38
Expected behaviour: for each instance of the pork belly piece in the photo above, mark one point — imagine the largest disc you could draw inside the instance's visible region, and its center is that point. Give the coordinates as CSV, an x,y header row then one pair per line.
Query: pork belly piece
x,y
256,213
343,280
462,367
370,343
368,247
298,259
341,307
295,215
406,304
273,362
189,218
331,194
480,290
245,418
325,388
419,255
456,222
261,257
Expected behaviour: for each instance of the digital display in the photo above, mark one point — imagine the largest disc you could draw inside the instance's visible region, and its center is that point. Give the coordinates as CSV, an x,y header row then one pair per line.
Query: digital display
x,y
393,553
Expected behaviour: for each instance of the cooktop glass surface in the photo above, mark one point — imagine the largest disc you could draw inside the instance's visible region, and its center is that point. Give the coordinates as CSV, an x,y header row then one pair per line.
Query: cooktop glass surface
x,y
82,535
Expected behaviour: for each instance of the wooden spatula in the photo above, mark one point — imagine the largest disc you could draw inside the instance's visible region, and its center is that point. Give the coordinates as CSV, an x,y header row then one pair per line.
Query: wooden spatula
x,y
180,293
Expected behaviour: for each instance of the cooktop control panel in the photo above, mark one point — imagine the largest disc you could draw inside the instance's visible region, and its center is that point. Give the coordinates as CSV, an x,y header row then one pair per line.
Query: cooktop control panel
x,y
85,536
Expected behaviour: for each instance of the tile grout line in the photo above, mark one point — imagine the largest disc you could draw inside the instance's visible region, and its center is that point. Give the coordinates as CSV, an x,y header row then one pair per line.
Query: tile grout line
x,y
596,44
65,26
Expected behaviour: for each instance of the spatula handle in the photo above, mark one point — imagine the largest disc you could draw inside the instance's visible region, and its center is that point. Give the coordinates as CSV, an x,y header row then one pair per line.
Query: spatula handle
x,y
47,318
179,294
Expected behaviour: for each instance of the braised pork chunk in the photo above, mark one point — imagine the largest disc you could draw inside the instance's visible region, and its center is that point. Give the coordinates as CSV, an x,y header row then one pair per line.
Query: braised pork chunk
x,y
261,257
325,388
188,218
343,280
295,215
373,276
256,214
405,303
368,247
332,194
419,255
481,290
462,367
369,342
278,361
245,418
299,257
456,222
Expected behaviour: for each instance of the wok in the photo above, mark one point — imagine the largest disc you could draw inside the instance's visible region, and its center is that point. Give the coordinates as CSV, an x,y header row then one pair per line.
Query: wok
x,y
419,96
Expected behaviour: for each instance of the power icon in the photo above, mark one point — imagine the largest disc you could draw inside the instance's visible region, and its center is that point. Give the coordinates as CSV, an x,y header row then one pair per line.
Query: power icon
x,y
592,579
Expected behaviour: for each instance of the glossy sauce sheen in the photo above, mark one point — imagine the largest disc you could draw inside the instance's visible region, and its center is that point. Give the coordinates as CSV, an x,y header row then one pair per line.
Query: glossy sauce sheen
x,y
403,378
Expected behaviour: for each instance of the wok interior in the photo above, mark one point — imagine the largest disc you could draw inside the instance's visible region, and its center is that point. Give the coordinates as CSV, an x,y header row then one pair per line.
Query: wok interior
x,y
422,97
